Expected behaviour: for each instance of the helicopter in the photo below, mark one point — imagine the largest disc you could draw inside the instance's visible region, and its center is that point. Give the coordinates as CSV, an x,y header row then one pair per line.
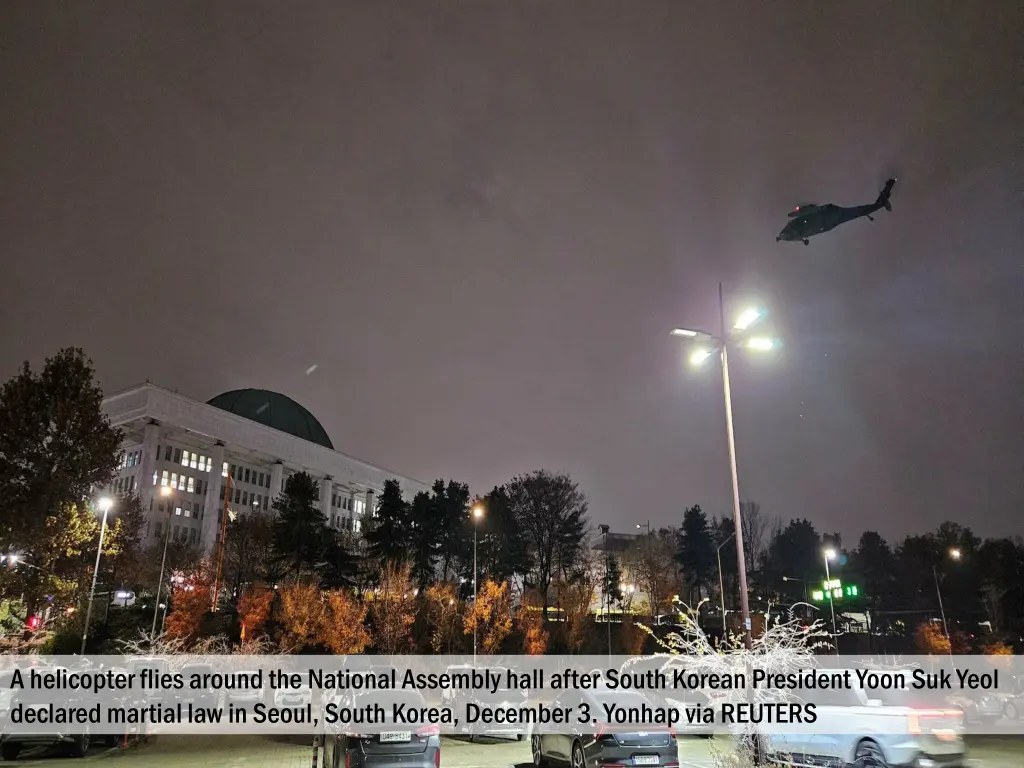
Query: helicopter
x,y
810,219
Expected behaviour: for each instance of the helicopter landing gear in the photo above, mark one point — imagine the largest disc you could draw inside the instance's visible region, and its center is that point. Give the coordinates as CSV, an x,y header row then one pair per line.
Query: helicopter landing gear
x,y
807,242
870,217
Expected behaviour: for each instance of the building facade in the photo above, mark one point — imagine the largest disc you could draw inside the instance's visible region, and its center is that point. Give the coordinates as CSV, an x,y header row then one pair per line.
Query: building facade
x,y
230,454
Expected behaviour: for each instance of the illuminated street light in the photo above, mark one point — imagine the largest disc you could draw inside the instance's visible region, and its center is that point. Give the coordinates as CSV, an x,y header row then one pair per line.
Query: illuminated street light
x,y
830,554
748,318
708,345
478,512
698,356
954,554
104,505
761,344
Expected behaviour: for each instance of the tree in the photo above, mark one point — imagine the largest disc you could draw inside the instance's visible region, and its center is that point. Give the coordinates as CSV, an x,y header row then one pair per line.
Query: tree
x,y
490,615
452,523
875,568
249,553
930,640
299,527
793,561
754,524
424,539
530,619
343,630
575,598
56,445
389,535
611,581
551,513
301,615
503,552
190,602
391,611
442,608
651,564
696,555
254,610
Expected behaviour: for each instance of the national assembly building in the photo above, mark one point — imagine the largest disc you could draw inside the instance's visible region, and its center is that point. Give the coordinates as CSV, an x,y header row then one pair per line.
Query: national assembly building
x,y
254,437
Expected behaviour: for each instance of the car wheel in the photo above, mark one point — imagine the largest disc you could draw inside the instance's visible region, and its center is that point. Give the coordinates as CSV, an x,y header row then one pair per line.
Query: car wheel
x,y
538,753
79,746
578,758
869,755
1010,711
10,751
519,737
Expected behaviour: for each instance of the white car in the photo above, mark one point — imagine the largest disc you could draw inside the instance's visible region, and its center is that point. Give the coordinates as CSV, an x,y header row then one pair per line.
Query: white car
x,y
293,697
882,727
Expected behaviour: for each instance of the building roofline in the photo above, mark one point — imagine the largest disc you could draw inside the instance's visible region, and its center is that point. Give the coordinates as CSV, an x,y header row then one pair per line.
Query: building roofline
x,y
241,419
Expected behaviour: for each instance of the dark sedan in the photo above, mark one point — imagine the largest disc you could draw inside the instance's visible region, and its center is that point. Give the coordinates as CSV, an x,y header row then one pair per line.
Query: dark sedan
x,y
603,745
408,746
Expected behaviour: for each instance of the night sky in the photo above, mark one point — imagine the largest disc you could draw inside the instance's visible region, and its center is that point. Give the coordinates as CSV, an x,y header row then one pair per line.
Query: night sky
x,y
480,221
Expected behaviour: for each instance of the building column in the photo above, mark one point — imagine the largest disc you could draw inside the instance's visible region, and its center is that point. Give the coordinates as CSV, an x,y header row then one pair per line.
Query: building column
x,y
147,491
371,501
213,504
276,478
326,491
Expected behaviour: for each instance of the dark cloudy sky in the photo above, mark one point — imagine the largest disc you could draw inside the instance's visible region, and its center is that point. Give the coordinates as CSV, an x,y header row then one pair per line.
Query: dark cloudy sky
x,y
481,219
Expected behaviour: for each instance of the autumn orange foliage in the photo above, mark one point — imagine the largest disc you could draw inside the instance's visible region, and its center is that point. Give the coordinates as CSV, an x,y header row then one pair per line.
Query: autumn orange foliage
x,y
254,610
531,624
442,607
931,640
392,611
310,618
190,601
491,616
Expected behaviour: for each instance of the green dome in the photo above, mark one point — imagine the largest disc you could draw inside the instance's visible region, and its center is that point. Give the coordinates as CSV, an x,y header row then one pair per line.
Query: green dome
x,y
273,410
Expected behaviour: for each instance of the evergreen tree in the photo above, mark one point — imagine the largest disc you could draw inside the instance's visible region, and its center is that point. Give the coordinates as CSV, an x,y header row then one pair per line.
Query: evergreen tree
x,y
389,536
299,528
424,540
696,553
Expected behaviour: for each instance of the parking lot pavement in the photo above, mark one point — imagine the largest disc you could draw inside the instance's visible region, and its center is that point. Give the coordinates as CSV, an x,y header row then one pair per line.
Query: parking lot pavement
x,y
270,752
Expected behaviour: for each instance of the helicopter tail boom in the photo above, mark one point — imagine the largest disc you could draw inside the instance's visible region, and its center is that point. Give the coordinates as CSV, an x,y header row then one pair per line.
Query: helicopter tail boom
x,y
883,197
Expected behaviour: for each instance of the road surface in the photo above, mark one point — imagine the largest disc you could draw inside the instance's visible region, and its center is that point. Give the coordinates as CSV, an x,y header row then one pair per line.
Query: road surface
x,y
268,752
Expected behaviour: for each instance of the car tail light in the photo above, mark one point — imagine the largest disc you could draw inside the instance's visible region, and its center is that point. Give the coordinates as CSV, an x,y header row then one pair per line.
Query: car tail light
x,y
429,730
672,733
348,759
917,722
437,758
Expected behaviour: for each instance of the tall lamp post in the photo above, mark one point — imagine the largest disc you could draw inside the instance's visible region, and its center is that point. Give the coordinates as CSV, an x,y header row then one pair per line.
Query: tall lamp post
x,y
831,554
166,492
721,579
954,554
709,344
104,504
605,529
478,512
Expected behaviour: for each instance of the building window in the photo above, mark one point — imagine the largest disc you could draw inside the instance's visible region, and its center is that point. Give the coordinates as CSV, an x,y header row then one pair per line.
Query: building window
x,y
177,532
167,453
158,453
360,506
131,484
191,485
184,458
177,511
234,471
164,478
238,496
188,510
155,477
224,472
174,480
245,498
193,462
192,536
261,480
177,455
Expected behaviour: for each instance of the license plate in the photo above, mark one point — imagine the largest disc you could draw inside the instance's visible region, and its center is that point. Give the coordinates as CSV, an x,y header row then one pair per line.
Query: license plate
x,y
396,736
645,759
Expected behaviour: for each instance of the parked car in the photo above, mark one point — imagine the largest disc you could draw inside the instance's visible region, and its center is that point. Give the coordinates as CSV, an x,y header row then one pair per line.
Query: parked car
x,y
604,743
404,745
14,740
